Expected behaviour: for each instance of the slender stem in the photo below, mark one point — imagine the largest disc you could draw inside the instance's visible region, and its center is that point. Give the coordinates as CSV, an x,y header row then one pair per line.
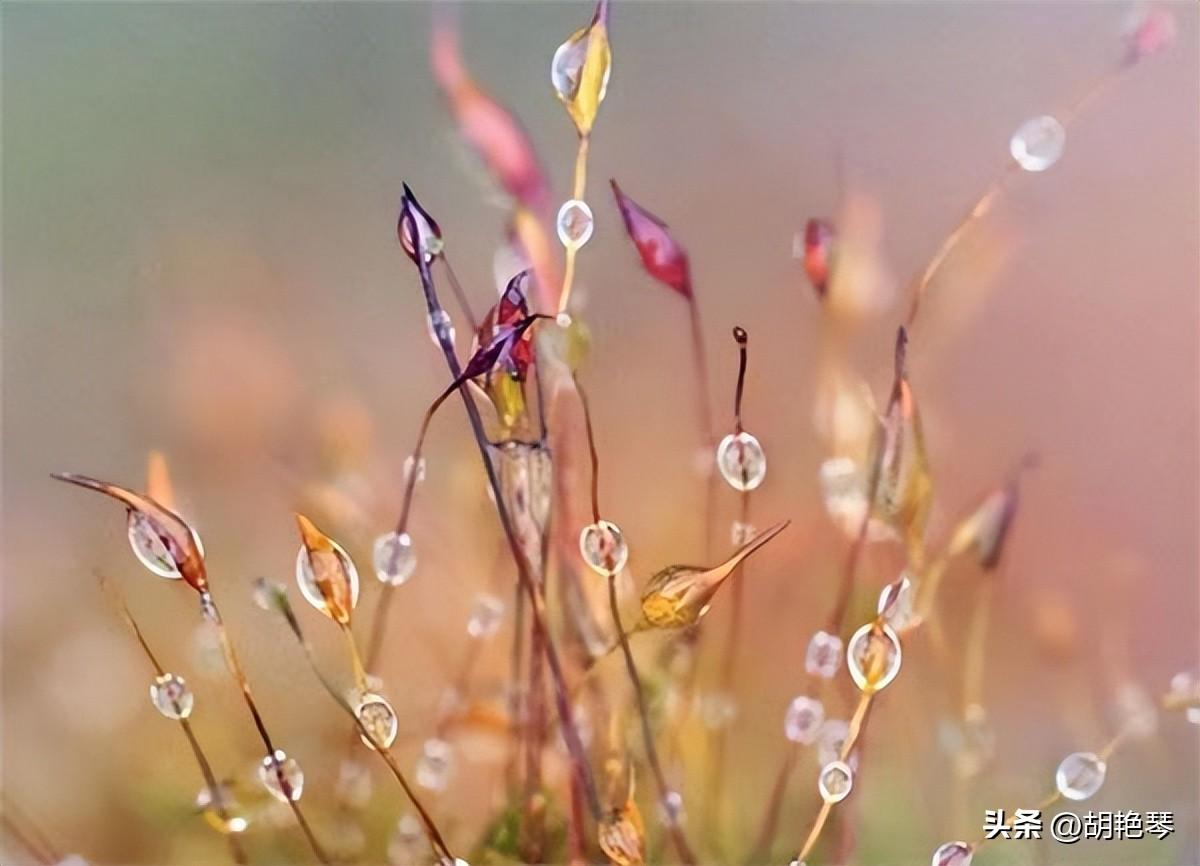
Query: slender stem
x,y
591,441
578,187
704,418
360,672
30,835
460,295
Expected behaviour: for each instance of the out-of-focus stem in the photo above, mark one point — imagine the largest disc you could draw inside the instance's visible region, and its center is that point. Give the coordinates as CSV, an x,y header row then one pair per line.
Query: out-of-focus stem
x,y
29,835
578,188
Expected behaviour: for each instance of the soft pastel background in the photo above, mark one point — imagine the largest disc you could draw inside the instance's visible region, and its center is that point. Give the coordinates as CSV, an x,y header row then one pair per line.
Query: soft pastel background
x,y
199,256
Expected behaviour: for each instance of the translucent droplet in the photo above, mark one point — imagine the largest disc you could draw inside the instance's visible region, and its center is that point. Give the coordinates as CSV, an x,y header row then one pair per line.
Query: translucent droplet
x,y
226,817
603,548
1038,143
307,581
742,462
435,764
563,320
440,324
803,720
378,717
354,784
394,558
1080,775
171,696
873,656
1185,693
407,845
575,224
835,781
953,854
1136,712
281,776
149,548
670,810
486,616
824,655
584,57
831,740
896,603
740,533
717,710
408,468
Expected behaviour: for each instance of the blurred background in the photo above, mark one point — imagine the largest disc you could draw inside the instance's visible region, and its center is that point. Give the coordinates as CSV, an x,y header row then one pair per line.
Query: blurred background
x,y
199,205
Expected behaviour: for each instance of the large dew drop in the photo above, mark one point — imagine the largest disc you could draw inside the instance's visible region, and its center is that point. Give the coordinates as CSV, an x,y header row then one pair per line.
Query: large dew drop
x,y
1038,143
603,548
1080,775
307,581
575,224
873,656
378,717
742,462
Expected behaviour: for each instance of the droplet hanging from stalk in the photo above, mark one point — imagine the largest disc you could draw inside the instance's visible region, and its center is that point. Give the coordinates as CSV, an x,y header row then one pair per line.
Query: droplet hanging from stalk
x,y
580,68
326,575
394,558
873,656
378,717
282,777
603,548
953,854
171,696
1080,775
835,781
1038,143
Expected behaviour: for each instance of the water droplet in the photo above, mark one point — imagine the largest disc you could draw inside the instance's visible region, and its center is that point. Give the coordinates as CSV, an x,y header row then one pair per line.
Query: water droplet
x,y
953,854
1038,143
149,548
824,655
394,558
354,784
290,786
742,462
440,324
717,710
896,603
873,656
1080,775
740,533
378,717
435,764
831,740
671,812
408,468
563,320
486,616
235,819
803,720
575,224
835,781
1136,712
407,845
585,48
603,548
307,580
171,696
1185,693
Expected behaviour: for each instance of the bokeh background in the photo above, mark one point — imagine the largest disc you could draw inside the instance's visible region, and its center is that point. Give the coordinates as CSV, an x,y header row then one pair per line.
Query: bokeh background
x,y
199,204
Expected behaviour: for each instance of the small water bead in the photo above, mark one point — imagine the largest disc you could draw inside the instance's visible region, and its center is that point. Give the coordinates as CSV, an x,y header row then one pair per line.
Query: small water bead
x,y
1038,143
575,224
171,696
803,720
873,657
407,845
307,580
671,812
831,740
1185,691
896,603
824,655
378,717
435,764
953,854
1080,775
439,323
603,548
835,781
234,820
1136,712
740,533
486,616
291,786
148,547
742,462
409,464
354,784
394,558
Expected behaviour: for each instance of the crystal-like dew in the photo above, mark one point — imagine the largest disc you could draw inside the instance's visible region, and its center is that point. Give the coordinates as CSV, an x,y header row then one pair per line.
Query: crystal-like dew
x,y
953,854
803,720
149,548
486,616
307,580
235,819
741,460
394,558
824,655
291,786
1038,143
575,224
435,764
378,717
171,696
835,781
873,656
1080,775
603,548
566,67
439,323
896,603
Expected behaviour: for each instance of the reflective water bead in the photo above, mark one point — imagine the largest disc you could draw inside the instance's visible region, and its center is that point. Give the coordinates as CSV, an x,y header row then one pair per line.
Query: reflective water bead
x,y
575,224
566,67
1185,692
1038,143
378,717
896,603
434,765
803,720
824,655
953,854
670,810
407,845
409,464
741,460
873,656
234,820
353,784
1080,775
171,696
394,558
307,580
288,788
149,548
835,781
486,616
740,533
603,548
440,324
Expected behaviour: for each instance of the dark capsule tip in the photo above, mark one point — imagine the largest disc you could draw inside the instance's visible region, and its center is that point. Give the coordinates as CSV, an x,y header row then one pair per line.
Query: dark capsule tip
x,y
739,334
